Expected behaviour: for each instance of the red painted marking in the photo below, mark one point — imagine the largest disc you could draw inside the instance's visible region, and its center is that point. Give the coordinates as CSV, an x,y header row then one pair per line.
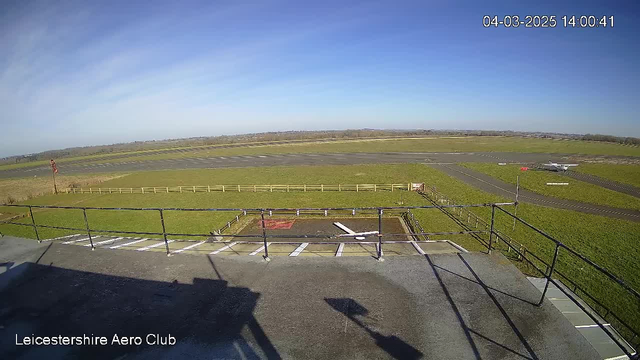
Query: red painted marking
x,y
524,168
276,224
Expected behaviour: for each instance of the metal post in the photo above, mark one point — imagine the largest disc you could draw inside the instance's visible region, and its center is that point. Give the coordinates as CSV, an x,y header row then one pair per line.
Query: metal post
x,y
86,223
264,236
164,232
553,265
380,235
33,223
493,215
515,212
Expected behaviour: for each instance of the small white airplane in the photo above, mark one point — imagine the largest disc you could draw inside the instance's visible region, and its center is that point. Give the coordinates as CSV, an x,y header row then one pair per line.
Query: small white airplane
x,y
557,167
351,233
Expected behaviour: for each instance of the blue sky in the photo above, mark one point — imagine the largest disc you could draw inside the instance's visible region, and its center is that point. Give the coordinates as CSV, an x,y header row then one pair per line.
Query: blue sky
x,y
75,73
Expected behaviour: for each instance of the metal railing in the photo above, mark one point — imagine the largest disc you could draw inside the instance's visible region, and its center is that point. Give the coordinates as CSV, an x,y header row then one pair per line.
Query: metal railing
x,y
549,270
417,230
377,211
241,188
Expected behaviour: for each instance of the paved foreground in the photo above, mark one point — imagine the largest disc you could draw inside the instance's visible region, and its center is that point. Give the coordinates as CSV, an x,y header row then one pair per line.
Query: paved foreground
x,y
463,306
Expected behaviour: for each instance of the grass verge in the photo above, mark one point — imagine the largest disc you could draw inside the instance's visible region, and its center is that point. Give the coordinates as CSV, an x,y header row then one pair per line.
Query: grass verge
x,y
536,181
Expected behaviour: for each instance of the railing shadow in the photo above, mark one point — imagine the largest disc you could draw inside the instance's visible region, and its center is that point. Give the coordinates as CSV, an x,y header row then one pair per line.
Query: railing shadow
x,y
393,345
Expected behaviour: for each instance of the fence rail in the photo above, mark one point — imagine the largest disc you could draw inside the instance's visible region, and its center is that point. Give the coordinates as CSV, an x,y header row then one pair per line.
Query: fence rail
x,y
242,188
550,273
549,270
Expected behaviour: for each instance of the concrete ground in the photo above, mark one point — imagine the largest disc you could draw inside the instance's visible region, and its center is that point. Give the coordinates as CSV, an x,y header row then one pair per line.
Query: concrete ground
x,y
448,306
492,185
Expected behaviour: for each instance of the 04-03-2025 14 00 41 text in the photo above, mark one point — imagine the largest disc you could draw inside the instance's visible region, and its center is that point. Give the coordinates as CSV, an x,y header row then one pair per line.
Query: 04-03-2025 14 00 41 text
x,y
548,21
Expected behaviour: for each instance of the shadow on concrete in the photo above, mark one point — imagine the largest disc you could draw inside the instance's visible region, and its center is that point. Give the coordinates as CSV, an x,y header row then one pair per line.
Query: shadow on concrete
x,y
208,318
501,309
393,345
469,331
454,307
488,287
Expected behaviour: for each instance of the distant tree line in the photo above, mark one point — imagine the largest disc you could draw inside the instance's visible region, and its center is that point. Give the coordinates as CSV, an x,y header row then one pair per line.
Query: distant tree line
x,y
294,136
613,139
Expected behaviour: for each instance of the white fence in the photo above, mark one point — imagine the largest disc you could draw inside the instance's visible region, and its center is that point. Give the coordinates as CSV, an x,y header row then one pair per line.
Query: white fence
x,y
242,188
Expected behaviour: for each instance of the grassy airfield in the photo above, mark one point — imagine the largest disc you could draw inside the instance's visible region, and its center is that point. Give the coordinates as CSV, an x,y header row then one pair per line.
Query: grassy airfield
x,y
431,144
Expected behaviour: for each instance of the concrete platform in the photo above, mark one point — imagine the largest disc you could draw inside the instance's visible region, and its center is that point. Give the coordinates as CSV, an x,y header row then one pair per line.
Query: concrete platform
x,y
444,306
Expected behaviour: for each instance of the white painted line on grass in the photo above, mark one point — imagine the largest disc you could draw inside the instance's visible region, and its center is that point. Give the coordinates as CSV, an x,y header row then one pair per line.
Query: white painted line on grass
x,y
153,246
129,243
105,241
75,241
300,248
259,249
189,247
418,248
340,248
223,248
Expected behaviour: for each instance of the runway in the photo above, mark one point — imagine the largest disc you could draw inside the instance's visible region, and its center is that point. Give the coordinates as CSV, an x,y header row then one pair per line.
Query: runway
x,y
288,160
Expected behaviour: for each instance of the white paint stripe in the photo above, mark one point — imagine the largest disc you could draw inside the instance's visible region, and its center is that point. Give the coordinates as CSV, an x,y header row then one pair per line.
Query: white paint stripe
x,y
344,228
105,241
75,241
259,249
189,247
300,248
457,246
619,357
129,243
418,248
223,248
591,326
153,246
62,237
340,248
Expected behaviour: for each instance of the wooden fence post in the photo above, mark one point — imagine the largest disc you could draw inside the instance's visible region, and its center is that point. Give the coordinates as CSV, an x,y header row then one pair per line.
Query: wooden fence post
x,y
208,188
222,188
321,187
142,190
238,188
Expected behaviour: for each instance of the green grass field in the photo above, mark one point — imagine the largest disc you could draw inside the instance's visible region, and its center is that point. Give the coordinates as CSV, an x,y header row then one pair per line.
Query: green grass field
x,y
625,174
448,144
536,180
611,243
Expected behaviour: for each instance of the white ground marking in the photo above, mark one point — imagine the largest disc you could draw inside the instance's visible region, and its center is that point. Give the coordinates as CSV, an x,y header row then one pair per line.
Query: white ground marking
x,y
259,249
189,247
223,248
457,246
340,248
129,243
153,246
62,237
105,241
75,241
348,231
590,326
298,250
418,248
